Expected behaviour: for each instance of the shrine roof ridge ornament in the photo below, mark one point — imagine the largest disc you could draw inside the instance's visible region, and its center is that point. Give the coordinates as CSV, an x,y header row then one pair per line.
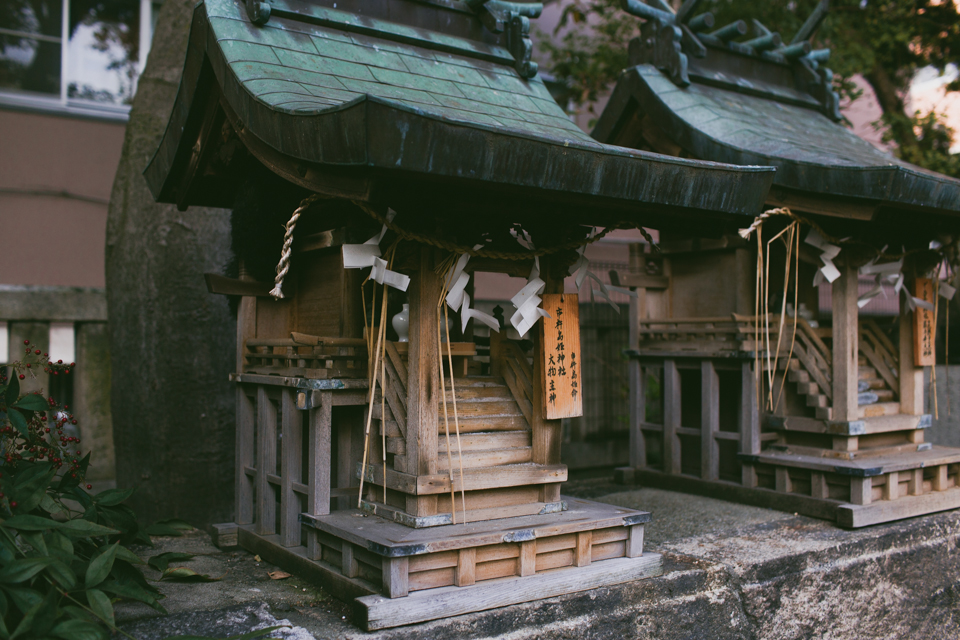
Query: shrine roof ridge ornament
x,y
688,49
499,16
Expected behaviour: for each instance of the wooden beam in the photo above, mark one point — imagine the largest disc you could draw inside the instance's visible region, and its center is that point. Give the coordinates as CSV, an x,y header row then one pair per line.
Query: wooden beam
x,y
291,457
423,382
637,382
911,377
845,343
749,421
246,423
318,457
709,421
396,580
671,417
266,463
231,287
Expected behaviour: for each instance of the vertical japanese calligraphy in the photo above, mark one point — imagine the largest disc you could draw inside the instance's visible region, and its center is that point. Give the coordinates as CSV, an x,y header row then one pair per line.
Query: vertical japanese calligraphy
x,y
924,354
563,384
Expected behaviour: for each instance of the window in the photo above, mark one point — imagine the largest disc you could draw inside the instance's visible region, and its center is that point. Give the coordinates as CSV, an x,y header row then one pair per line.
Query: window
x,y
79,54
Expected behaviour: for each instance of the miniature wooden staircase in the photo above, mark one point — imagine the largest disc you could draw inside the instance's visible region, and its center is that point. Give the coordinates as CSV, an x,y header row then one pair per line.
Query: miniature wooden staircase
x,y
493,431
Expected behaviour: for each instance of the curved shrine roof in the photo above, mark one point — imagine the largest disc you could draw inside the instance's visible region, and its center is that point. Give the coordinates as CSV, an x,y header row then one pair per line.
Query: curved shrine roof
x,y
755,104
420,88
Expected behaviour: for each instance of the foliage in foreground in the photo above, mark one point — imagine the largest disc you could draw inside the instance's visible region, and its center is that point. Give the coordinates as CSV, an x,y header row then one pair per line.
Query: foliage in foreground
x,y
65,554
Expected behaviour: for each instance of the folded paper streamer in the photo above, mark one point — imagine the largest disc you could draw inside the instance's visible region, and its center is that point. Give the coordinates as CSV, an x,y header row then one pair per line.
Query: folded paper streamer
x,y
359,256
828,252
889,271
580,272
459,300
467,314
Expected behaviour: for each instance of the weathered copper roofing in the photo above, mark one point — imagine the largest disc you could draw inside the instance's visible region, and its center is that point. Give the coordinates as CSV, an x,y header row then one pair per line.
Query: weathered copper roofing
x,y
730,102
412,87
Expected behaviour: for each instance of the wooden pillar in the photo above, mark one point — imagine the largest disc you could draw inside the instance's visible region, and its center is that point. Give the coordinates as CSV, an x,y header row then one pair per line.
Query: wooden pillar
x,y
671,417
846,370
291,468
709,421
911,377
546,433
246,423
637,453
423,382
746,271
749,421
266,463
318,465
818,485
861,491
396,576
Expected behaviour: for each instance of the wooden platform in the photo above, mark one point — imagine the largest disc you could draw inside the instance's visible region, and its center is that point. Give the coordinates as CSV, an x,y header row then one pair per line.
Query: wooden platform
x,y
413,575
845,514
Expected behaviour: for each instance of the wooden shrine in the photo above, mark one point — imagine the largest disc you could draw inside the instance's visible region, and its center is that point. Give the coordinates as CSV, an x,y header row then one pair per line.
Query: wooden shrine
x,y
419,131
825,419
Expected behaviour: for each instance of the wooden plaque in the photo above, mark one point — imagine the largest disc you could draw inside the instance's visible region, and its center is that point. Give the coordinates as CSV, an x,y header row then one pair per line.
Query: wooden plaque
x,y
562,379
924,327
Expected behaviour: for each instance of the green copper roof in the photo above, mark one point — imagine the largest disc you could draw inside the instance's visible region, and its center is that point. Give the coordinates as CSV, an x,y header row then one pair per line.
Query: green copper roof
x,y
757,102
387,93
303,68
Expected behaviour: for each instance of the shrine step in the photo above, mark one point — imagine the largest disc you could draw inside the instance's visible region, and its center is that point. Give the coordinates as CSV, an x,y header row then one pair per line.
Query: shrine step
x,y
478,407
478,392
878,409
479,459
486,441
867,373
863,426
479,423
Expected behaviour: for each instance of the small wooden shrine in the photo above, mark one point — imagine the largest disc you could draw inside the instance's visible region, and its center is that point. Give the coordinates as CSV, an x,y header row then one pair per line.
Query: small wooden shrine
x,y
747,396
415,145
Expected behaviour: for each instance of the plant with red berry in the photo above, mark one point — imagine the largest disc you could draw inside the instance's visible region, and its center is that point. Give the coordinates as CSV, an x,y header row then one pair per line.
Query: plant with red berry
x,y
63,551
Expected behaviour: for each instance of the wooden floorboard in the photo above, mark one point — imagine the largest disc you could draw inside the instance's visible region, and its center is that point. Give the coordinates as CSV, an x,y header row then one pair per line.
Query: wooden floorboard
x,y
394,540
378,612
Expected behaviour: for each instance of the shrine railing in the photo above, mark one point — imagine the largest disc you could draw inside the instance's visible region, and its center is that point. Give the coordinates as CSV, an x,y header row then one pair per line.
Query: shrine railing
x,y
306,357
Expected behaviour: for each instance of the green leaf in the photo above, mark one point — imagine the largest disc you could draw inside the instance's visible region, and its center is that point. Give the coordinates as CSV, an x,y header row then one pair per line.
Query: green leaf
x,y
35,540
85,528
24,569
101,605
112,497
18,421
32,402
125,554
26,623
60,545
80,630
13,389
132,592
161,561
32,486
182,574
62,574
171,528
100,566
23,598
51,506
30,523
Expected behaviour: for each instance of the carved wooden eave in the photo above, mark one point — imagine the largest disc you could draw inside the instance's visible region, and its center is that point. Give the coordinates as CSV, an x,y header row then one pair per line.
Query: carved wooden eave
x,y
415,101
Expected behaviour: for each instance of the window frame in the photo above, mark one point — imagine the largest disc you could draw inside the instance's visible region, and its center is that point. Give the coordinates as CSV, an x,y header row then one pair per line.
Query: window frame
x,y
78,107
